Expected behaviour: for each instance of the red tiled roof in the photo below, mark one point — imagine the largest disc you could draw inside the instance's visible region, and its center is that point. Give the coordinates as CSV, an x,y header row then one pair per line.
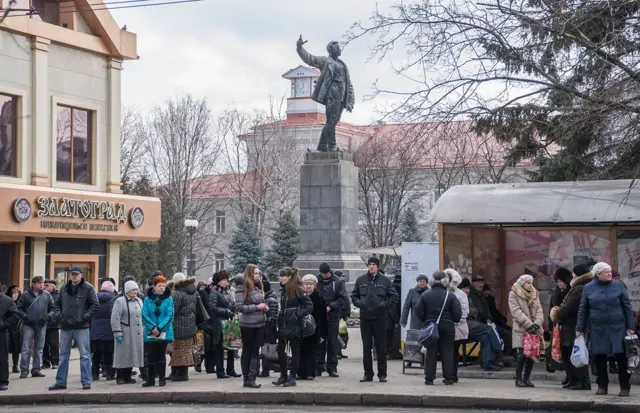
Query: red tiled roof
x,y
222,186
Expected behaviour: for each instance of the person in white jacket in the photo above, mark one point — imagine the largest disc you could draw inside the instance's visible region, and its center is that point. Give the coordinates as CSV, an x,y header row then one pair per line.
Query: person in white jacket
x,y
462,329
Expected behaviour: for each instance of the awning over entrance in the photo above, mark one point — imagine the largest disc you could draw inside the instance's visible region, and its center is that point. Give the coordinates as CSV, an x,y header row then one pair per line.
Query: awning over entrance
x,y
585,202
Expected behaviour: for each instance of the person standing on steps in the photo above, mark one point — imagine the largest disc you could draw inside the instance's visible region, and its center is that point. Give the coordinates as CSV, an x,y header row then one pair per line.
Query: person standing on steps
x,y
8,319
374,294
333,290
528,317
126,323
51,350
34,307
74,308
157,318
251,306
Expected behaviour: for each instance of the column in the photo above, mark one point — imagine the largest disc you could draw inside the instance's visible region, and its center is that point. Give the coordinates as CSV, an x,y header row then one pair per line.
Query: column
x,y
40,111
113,125
39,257
113,261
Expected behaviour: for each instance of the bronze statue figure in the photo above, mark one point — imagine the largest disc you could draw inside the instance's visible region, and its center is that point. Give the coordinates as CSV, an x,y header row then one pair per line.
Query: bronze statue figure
x,y
333,89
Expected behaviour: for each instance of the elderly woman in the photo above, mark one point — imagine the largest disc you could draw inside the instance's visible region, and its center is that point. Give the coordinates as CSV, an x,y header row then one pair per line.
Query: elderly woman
x,y
606,309
126,323
411,302
462,328
527,315
309,345
440,305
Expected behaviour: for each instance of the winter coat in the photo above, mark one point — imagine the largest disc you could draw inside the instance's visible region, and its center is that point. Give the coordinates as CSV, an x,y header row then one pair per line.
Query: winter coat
x,y
322,321
219,309
101,321
431,304
567,313
250,315
606,309
462,328
374,295
526,311
334,293
34,310
292,311
157,312
410,304
75,306
557,297
126,322
185,303
496,316
8,315
481,305
51,325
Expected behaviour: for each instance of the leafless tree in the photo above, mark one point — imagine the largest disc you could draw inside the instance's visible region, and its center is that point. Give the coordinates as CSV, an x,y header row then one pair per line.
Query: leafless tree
x,y
263,156
182,149
133,136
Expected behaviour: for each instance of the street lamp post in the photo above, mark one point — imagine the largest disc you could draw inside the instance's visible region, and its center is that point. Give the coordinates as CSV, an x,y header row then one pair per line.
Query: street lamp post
x,y
191,225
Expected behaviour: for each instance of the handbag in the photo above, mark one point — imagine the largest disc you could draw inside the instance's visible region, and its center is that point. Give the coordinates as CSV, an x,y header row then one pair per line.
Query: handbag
x,y
270,352
556,342
632,350
308,325
430,333
202,315
231,338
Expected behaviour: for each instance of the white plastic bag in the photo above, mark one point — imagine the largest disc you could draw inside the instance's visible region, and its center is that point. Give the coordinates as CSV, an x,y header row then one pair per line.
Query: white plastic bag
x,y
580,354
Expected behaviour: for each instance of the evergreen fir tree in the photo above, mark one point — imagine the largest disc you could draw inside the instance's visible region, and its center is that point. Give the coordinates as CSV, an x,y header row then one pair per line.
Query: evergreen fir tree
x,y
244,246
410,229
285,244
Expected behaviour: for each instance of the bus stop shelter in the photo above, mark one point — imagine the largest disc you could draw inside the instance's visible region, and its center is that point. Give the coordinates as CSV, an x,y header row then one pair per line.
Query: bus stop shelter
x,y
501,231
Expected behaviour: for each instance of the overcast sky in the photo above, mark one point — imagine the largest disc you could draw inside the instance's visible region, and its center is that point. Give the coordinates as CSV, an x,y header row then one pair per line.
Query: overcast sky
x,y
234,52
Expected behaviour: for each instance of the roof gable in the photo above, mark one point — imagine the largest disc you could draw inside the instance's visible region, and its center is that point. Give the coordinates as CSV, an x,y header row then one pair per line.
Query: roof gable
x,y
301,71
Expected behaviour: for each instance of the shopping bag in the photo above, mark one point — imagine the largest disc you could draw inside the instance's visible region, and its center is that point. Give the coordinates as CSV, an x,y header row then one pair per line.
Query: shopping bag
x,y
342,327
632,350
556,343
580,354
531,346
231,337
197,348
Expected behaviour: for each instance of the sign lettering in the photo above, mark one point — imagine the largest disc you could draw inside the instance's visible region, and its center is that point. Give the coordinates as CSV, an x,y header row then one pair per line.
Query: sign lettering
x,y
77,208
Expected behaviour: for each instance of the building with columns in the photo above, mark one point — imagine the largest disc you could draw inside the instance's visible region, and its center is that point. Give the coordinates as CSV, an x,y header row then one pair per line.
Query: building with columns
x,y
60,198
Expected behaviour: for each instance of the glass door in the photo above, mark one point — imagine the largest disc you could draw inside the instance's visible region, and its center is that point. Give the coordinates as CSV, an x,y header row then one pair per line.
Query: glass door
x,y
61,271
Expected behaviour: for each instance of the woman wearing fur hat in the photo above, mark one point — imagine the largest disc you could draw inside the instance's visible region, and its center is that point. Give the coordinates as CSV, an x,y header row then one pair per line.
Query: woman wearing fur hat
x,y
566,315
309,345
126,323
462,328
440,304
185,302
219,309
606,309
527,316
411,302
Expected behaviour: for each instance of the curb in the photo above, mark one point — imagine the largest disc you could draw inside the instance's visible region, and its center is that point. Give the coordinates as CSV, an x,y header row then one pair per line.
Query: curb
x,y
326,399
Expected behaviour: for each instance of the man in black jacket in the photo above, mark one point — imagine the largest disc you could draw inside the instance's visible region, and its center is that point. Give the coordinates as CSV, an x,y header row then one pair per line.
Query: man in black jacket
x,y
73,309
8,318
332,289
51,351
375,296
34,307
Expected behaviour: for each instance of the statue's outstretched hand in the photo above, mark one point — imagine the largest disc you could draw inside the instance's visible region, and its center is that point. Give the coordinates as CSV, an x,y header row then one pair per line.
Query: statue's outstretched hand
x,y
301,42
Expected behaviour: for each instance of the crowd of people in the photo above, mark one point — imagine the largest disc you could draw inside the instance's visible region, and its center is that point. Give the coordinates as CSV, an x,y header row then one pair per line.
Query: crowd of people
x,y
299,326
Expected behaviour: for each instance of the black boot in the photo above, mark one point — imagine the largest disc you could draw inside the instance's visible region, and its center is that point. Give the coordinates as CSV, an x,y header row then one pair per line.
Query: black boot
x,y
111,373
281,380
253,373
172,374
151,376
528,368
182,374
198,367
162,371
95,372
520,362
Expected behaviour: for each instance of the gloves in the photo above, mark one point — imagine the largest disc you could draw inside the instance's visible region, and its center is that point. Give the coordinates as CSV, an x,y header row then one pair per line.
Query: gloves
x,y
533,329
537,327
119,340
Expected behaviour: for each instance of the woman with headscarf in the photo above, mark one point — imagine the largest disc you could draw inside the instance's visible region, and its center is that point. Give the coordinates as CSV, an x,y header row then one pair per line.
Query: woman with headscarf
x,y
441,306
462,328
606,310
527,316
126,323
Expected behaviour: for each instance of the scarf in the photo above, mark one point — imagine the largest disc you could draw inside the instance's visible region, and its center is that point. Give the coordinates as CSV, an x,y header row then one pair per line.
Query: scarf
x,y
530,297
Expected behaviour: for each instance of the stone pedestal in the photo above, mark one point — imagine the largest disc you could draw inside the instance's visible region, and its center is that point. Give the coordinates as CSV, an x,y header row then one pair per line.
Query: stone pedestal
x,y
329,214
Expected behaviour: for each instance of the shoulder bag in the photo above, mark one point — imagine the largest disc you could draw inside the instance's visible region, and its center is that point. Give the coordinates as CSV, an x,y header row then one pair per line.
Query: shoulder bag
x,y
430,333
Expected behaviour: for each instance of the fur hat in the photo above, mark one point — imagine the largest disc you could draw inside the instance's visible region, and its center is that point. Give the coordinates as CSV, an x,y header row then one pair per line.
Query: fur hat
x,y
465,283
564,275
523,279
440,277
454,278
310,278
600,267
422,277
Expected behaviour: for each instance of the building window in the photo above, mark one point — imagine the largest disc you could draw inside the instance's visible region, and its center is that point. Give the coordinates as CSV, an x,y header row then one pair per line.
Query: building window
x,y
73,145
46,11
219,262
8,135
220,222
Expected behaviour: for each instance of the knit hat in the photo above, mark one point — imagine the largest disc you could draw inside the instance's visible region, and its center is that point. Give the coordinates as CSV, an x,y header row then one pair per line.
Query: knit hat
x,y
178,277
580,269
422,277
465,283
374,260
563,274
310,278
599,267
591,262
338,273
324,268
108,286
130,285
523,279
